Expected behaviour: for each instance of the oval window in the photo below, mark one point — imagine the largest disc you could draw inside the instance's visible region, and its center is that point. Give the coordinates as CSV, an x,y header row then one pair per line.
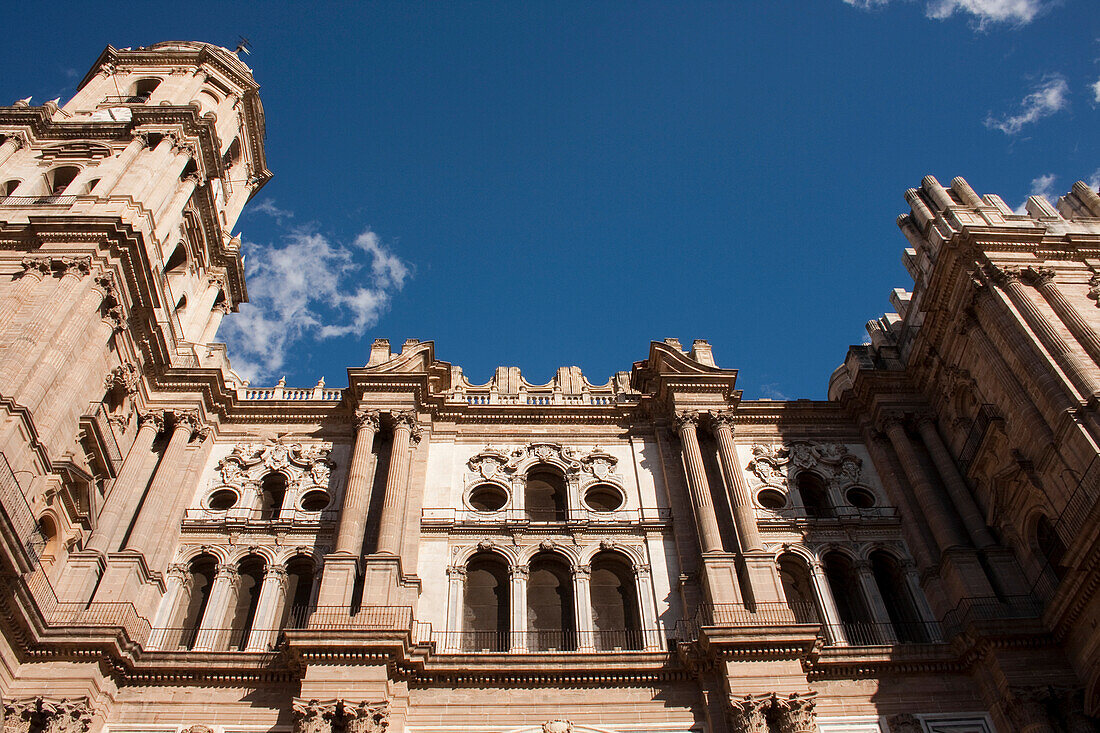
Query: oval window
x,y
315,501
222,499
860,498
603,498
771,499
488,498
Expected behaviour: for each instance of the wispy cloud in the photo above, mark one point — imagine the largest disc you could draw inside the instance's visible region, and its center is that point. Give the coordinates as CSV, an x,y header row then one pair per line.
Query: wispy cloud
x,y
982,12
1041,186
1049,96
1096,91
309,287
1094,180
771,391
268,207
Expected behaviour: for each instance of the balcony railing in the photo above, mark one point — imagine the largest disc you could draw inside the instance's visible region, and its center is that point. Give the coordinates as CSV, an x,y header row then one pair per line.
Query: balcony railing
x,y
549,641
764,614
869,633
192,638
103,614
340,618
829,513
619,516
989,608
50,200
18,514
260,517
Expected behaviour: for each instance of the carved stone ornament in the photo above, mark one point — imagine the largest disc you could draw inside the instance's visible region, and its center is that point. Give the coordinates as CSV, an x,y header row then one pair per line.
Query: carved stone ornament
x,y
305,465
37,265
796,712
47,715
367,717
749,714
199,729
904,723
557,726
599,463
123,377
770,464
367,418
313,716
493,463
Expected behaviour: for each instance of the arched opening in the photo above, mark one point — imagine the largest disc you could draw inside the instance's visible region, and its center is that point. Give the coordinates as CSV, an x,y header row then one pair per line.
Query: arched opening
x,y
90,185
550,619
486,604
545,497
207,102
488,498
603,498
273,490
202,569
8,187
232,153
250,573
51,542
299,591
815,497
142,90
59,179
892,586
798,589
177,262
845,586
616,617
1050,546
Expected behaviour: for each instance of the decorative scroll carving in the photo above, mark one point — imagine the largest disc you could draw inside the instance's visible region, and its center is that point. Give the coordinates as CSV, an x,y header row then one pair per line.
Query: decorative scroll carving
x,y
367,717
37,265
18,715
749,714
494,463
47,715
307,465
1094,288
771,464
599,463
366,418
199,729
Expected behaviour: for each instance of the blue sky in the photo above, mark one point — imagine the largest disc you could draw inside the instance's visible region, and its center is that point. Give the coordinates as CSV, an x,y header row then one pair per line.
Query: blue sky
x,y
554,183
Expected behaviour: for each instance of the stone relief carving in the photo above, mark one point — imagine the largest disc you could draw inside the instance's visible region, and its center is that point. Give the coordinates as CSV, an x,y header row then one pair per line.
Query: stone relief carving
x,y
313,716
771,464
307,465
904,723
749,714
557,726
367,717
494,463
318,716
47,715
793,713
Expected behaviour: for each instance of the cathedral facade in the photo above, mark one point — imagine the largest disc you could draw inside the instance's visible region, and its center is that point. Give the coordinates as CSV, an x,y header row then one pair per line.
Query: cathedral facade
x,y
182,552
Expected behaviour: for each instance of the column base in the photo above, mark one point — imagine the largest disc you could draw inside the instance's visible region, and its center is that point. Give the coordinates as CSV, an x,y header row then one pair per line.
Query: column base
x,y
721,578
385,584
763,577
963,574
82,571
338,580
128,578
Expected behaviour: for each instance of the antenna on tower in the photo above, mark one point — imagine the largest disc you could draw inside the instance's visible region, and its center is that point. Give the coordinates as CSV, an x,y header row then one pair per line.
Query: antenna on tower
x,y
244,46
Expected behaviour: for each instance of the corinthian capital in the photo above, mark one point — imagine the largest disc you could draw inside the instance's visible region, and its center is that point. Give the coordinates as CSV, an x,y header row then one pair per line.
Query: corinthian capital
x,y
155,418
366,419
76,266
1039,276
1002,275
749,714
15,139
889,419
796,712
367,717
313,716
685,419
35,266
721,419
65,716
187,419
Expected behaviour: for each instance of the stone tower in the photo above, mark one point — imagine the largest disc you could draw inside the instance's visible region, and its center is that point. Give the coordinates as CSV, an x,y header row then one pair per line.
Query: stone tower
x,y
118,261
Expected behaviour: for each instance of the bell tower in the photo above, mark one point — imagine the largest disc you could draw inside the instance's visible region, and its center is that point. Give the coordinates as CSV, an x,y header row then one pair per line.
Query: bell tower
x,y
117,259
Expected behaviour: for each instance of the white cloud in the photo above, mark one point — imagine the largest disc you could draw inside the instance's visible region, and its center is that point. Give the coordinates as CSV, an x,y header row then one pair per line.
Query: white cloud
x,y
267,206
1094,180
1041,186
983,12
309,288
1096,91
771,390
1049,96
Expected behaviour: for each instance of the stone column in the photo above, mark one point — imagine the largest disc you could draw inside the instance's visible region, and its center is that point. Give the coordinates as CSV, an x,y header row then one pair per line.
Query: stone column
x,y
353,514
582,608
957,489
795,713
518,600
834,627
647,609
710,539
1043,280
749,714
177,593
127,488
214,321
397,479
149,529
39,334
212,634
18,296
743,515
12,143
456,584
171,214
884,629
1008,278
912,580
269,610
940,521
119,165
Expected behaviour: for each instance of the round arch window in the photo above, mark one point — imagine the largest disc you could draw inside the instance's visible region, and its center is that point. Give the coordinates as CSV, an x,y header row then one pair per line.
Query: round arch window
x,y
222,500
603,498
771,499
860,497
315,501
488,498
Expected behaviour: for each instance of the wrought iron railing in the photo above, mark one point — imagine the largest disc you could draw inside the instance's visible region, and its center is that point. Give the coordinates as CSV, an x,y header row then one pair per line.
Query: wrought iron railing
x,y
261,516
628,516
18,513
549,640
974,438
988,608
102,614
48,200
340,618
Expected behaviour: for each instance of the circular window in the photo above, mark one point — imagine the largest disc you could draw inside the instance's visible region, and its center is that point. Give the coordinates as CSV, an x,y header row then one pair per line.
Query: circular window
x,y
315,501
860,498
771,499
603,498
222,499
488,498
